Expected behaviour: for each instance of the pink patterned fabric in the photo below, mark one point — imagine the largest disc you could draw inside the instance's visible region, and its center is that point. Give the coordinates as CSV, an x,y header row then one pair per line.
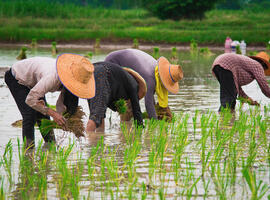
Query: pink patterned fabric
x,y
244,70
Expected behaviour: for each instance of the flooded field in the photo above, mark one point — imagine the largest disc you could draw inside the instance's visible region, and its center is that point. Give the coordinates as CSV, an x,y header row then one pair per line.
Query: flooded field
x,y
200,155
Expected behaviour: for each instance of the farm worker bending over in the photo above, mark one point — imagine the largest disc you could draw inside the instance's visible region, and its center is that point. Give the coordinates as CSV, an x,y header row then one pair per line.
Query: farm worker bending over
x,y
30,79
160,77
114,83
233,71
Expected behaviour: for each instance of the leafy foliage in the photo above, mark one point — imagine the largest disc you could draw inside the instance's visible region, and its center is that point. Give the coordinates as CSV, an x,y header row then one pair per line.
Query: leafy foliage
x,y
175,9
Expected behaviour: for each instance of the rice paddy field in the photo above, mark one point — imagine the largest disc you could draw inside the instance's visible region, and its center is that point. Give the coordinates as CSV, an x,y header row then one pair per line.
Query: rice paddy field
x,y
20,21
201,154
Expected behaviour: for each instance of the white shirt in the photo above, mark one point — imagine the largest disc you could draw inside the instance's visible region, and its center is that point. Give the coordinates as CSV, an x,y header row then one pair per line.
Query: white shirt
x,y
40,76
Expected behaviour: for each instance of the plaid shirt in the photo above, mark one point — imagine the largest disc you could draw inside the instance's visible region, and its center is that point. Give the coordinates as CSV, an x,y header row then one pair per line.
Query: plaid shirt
x,y
244,70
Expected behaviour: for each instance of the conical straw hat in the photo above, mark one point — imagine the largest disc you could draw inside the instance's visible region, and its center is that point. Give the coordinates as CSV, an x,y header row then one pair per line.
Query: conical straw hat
x,y
169,74
77,74
264,57
140,80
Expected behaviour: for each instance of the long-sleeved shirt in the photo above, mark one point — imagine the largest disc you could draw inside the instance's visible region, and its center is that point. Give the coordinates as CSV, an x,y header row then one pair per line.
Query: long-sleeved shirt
x,y
142,63
40,76
244,70
121,85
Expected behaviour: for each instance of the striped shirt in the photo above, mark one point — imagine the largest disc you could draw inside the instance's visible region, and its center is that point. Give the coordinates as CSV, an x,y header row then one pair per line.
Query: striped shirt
x,y
244,70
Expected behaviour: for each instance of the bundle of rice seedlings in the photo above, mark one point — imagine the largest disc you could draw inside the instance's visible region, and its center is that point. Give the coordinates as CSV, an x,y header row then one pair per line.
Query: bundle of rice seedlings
x,y
121,106
18,123
74,123
163,113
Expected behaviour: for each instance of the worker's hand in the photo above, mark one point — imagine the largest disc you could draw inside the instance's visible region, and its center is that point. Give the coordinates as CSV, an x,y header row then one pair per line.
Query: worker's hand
x,y
58,118
251,102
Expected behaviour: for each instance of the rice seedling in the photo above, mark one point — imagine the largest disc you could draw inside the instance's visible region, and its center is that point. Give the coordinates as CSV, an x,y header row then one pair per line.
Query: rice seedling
x,y
238,50
2,192
258,190
193,46
89,55
156,52
135,43
205,51
69,177
203,141
268,45
174,55
194,121
34,43
97,43
7,161
252,53
220,179
205,187
54,49
32,176
22,54
179,144
144,191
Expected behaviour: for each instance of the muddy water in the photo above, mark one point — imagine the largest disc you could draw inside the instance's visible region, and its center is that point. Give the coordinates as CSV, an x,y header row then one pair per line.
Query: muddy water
x,y
198,91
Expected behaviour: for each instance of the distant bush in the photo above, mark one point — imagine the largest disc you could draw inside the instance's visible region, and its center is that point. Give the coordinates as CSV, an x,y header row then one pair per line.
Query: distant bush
x,y
175,9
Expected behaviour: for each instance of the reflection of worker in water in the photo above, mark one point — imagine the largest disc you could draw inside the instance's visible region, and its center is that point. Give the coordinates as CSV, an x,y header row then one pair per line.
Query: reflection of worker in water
x,y
115,83
30,79
234,70
160,77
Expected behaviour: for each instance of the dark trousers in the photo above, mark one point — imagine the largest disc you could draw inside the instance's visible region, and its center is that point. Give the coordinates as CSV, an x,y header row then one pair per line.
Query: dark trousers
x,y
29,116
228,93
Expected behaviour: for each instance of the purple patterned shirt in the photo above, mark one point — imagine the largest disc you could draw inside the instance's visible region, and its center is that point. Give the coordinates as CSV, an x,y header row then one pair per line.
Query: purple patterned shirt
x,y
244,70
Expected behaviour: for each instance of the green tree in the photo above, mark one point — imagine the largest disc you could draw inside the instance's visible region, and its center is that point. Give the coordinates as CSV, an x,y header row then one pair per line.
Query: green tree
x,y
179,9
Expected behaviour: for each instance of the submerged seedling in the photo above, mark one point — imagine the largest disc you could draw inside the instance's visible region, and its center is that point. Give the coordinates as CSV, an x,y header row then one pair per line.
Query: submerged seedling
x,y
193,46
156,52
97,43
54,49
34,43
135,43
22,54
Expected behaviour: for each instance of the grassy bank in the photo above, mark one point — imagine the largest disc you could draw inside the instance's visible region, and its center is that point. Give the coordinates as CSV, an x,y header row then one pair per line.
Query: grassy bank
x,y
56,22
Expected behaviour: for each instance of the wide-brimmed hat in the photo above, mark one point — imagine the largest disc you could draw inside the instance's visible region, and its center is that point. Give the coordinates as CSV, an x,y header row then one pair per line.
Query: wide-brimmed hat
x,y
265,58
140,80
169,74
77,74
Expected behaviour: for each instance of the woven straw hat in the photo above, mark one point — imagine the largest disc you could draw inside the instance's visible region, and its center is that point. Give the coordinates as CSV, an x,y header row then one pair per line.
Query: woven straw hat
x,y
264,57
77,74
142,84
169,74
